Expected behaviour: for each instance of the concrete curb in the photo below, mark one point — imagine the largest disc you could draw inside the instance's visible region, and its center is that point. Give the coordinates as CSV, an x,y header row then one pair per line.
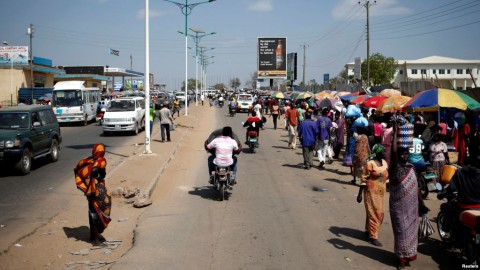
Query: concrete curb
x,y
147,192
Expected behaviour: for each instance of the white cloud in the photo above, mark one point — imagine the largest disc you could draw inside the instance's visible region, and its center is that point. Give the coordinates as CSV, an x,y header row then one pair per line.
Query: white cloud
x,y
261,6
343,10
152,13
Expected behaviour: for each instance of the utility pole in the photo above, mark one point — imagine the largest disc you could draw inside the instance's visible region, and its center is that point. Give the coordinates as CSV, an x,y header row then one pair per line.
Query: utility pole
x,y
367,5
30,33
304,61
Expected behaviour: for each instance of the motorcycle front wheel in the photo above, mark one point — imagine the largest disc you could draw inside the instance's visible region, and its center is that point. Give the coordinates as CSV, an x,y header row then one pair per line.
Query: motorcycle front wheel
x,y
422,184
442,220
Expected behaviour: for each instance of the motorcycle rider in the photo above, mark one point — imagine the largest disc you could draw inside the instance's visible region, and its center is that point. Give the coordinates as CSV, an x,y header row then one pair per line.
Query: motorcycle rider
x,y
233,105
220,101
253,123
224,144
466,183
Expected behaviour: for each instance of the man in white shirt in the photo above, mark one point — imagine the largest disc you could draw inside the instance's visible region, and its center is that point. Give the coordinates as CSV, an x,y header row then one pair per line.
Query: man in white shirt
x,y
224,147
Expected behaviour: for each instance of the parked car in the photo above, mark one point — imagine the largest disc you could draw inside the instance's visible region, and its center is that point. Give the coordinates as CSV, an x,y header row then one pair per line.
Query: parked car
x,y
124,114
28,132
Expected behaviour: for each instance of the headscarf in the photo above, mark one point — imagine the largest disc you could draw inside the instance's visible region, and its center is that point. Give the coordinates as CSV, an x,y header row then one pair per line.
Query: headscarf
x,y
399,120
377,148
84,168
98,150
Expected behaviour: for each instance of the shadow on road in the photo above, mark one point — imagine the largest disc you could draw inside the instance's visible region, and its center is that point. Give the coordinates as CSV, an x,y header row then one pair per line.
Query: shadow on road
x,y
376,254
281,147
297,166
206,192
352,233
81,233
338,181
337,171
439,253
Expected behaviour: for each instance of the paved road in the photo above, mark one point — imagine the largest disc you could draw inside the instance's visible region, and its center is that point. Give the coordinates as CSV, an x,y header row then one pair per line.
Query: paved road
x,y
279,216
27,202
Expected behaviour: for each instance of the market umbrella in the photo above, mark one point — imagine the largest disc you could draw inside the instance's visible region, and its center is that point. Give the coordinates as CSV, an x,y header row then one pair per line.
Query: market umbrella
x,y
390,93
330,102
373,102
280,95
433,99
359,99
294,94
392,104
358,93
323,95
305,95
340,94
347,97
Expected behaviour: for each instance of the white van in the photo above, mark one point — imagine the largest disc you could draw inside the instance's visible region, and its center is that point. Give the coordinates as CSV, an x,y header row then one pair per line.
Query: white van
x,y
245,102
124,114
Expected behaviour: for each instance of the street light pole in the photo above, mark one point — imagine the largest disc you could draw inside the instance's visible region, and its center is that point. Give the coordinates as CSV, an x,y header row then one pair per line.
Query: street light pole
x,y
187,10
197,39
147,79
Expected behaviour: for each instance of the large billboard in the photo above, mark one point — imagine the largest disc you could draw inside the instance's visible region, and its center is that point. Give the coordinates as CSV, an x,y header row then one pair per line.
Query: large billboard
x,y
14,55
272,58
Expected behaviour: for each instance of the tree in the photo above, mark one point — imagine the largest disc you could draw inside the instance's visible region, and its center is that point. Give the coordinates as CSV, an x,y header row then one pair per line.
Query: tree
x,y
382,69
313,85
235,83
220,86
253,80
191,84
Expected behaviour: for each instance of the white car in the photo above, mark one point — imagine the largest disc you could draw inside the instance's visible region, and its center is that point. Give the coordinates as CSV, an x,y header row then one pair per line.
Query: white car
x,y
245,102
124,114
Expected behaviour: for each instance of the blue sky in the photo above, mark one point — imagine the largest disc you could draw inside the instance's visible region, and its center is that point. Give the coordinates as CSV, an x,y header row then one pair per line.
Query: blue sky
x,y
80,32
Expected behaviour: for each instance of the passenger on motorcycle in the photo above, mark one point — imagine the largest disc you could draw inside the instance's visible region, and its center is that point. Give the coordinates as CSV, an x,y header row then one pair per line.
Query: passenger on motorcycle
x,y
253,123
223,144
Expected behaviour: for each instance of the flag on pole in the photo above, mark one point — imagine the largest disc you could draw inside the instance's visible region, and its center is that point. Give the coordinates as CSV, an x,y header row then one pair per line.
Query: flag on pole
x,y
114,52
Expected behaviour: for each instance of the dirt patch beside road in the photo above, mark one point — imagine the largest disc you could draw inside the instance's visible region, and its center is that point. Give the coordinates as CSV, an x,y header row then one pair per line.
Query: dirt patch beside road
x,y
63,243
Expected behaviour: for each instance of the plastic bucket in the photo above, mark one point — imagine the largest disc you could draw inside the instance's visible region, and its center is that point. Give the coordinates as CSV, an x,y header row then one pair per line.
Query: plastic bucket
x,y
448,172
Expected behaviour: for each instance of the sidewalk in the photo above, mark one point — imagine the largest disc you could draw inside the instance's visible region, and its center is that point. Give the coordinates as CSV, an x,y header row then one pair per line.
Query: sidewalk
x,y
63,242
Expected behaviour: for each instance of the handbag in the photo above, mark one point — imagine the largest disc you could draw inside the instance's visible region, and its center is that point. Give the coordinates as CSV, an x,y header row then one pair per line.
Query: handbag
x,y
425,229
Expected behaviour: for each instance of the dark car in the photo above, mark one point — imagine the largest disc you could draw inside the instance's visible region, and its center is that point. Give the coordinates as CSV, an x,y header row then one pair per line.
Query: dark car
x,y
26,133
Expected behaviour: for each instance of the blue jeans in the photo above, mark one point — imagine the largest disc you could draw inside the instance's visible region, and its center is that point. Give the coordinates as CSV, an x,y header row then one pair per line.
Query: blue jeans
x,y
211,165
151,127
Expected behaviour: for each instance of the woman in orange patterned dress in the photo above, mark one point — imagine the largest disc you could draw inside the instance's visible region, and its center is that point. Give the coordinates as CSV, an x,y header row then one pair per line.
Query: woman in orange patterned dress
x,y
90,179
373,187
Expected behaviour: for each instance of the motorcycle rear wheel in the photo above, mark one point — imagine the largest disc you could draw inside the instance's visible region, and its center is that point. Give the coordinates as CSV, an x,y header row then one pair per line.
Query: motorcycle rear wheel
x,y
222,192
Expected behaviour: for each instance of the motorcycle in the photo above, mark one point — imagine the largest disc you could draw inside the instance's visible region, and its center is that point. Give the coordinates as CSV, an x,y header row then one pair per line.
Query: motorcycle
x,y
252,140
100,115
233,111
427,178
222,181
459,228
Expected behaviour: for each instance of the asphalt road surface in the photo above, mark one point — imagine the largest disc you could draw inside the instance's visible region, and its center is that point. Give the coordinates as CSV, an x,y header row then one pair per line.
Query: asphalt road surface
x,y
30,201
279,216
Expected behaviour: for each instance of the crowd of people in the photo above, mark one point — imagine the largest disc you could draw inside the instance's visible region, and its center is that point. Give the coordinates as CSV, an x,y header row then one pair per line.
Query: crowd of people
x,y
382,151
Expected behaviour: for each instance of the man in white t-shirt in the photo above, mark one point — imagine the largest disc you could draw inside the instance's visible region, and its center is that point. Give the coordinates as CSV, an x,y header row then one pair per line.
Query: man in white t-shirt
x,y
224,147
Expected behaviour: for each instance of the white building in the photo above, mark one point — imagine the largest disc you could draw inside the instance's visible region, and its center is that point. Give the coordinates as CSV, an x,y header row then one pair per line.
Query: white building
x,y
445,72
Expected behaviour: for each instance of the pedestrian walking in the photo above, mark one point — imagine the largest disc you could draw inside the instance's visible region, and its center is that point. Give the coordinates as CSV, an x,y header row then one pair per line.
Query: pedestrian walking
x,y
323,124
275,112
362,152
166,120
340,135
404,208
90,175
176,107
202,98
308,131
291,116
373,187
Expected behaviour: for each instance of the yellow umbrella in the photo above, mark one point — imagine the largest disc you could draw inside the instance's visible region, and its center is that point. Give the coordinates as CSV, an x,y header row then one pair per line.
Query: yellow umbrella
x,y
323,95
390,93
393,104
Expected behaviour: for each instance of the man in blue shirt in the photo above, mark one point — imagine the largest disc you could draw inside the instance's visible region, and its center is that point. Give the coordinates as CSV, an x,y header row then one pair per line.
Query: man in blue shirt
x,y
308,132
323,125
